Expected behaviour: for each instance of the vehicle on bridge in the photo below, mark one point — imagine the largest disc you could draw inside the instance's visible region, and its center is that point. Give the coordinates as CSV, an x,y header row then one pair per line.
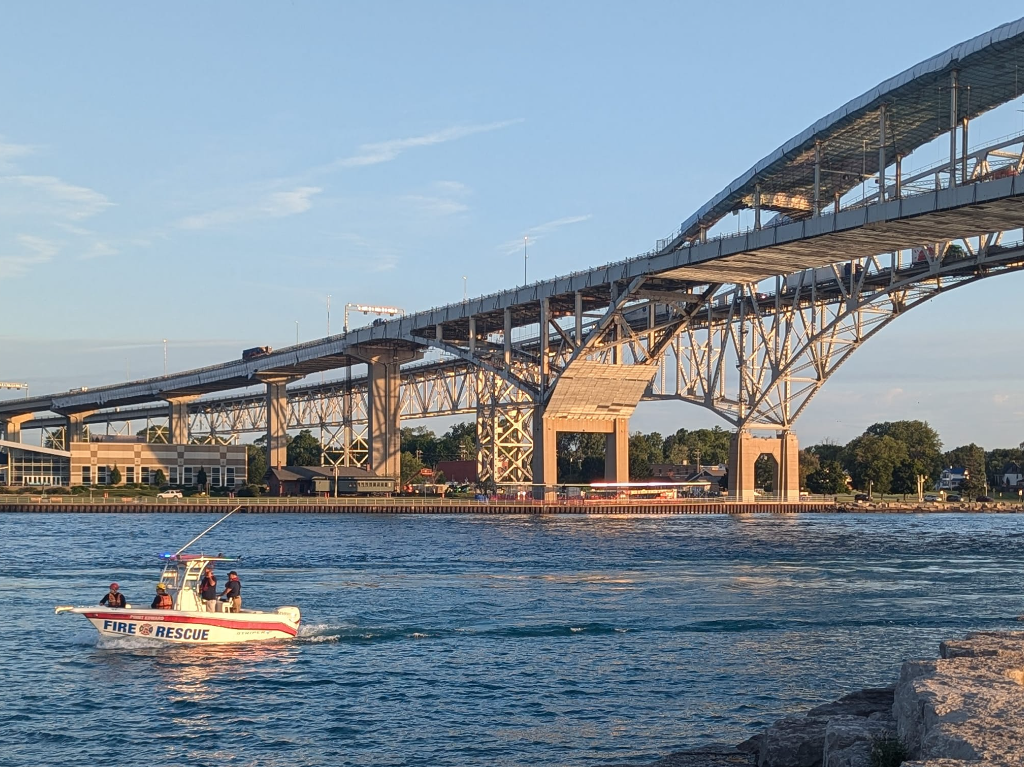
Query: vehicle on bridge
x,y
256,352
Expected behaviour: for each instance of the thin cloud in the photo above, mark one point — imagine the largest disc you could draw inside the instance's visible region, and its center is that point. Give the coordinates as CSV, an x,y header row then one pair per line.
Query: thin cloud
x,y
436,206
275,205
10,152
538,232
34,251
59,198
386,151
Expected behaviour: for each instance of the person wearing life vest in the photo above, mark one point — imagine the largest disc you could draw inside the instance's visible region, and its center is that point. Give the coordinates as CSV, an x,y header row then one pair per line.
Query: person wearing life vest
x,y
208,590
233,592
113,598
162,601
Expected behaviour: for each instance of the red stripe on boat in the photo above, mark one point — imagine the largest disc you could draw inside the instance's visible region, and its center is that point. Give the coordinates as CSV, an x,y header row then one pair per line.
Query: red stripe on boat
x,y
241,625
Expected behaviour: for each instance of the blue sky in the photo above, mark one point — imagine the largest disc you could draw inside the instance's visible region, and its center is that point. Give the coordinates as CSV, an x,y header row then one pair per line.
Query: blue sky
x,y
209,173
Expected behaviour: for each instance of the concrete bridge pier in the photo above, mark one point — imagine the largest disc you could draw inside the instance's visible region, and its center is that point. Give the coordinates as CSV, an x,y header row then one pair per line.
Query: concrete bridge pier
x,y
384,409
177,419
745,449
277,422
545,441
10,426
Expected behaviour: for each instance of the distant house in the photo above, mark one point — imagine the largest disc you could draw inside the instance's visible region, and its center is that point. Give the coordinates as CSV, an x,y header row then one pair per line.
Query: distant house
x,y
1012,475
319,480
952,478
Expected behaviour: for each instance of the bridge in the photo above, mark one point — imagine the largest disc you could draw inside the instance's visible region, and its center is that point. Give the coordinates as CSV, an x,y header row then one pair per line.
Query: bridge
x,y
749,324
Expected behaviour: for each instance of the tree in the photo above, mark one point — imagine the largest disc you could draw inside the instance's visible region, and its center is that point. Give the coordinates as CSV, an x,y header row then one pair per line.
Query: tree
x,y
304,450
159,478
765,468
708,446
922,444
255,464
828,451
904,478
972,486
874,461
458,443
115,476
809,463
970,457
580,457
828,479
644,451
421,443
201,477
410,467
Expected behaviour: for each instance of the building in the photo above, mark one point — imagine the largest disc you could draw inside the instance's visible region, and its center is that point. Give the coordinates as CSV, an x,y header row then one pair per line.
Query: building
x,y
952,478
1012,475
320,480
93,463
458,471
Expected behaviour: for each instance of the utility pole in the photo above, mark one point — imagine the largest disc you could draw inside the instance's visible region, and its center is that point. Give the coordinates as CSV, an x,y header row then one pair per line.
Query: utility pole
x,y
165,356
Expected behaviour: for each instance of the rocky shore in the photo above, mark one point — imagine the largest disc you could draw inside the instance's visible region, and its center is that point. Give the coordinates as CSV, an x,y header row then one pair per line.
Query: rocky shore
x,y
964,709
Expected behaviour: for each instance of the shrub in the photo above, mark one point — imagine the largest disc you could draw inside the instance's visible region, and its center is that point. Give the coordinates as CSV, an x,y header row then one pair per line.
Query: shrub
x,y
888,751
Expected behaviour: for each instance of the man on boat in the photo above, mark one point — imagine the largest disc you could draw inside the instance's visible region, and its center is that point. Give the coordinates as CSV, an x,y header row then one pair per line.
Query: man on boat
x,y
113,598
233,592
208,590
162,601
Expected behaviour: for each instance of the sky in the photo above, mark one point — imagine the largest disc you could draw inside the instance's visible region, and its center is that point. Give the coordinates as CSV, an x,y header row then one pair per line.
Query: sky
x,y
209,173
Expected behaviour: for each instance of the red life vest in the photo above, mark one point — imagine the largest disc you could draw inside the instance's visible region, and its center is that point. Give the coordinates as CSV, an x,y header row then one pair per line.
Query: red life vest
x,y
163,602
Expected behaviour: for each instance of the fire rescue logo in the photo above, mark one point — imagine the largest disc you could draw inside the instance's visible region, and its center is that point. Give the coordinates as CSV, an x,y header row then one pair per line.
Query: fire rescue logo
x,y
145,629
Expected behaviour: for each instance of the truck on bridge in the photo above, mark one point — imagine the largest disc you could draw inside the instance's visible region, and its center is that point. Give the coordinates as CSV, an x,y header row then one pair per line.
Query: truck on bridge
x,y
255,353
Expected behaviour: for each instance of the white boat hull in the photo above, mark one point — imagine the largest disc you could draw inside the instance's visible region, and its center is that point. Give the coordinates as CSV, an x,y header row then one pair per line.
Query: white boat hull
x,y
180,627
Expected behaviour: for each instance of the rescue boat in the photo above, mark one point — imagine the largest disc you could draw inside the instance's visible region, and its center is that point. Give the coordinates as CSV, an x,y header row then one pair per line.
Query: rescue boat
x,y
188,621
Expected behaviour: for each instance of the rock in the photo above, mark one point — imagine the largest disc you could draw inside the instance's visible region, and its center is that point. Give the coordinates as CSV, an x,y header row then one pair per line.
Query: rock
x,y
861,703
751,745
793,742
848,740
965,706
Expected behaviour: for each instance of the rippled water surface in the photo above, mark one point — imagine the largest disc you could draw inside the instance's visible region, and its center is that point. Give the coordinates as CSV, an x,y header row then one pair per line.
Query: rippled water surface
x,y
432,640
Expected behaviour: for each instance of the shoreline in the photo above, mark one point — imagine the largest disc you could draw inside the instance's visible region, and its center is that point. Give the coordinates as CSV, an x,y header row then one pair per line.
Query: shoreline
x,y
959,710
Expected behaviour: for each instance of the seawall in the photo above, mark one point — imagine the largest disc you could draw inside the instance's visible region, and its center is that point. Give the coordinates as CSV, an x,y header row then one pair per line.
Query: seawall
x,y
78,505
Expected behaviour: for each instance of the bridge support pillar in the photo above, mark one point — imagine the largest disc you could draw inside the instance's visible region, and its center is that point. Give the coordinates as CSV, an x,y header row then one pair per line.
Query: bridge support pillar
x,y
76,430
545,440
177,420
277,422
10,427
616,455
745,449
384,407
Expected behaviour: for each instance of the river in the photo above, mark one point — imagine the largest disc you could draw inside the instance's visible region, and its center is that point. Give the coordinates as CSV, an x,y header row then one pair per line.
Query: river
x,y
497,640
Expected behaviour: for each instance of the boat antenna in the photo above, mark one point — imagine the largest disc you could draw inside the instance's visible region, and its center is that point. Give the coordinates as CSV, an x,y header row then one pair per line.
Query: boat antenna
x,y
207,530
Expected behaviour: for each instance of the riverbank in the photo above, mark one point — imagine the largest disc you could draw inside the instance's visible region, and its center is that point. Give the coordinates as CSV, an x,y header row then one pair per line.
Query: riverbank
x,y
196,505
960,710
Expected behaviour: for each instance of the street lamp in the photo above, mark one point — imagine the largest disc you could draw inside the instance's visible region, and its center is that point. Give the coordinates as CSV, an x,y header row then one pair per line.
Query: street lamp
x,y
525,257
463,289
165,356
296,332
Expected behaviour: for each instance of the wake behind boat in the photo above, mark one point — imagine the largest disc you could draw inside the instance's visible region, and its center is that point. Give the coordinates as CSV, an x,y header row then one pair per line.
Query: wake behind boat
x,y
188,620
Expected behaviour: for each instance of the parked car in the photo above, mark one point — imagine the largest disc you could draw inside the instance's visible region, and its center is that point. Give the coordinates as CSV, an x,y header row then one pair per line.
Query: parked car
x,y
984,499
954,497
169,494
862,497
932,497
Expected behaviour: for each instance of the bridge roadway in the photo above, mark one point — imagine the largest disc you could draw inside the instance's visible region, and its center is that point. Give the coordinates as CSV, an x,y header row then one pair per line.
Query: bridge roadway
x,y
589,364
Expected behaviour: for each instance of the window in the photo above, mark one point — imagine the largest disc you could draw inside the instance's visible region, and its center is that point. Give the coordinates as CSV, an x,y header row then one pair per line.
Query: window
x,y
230,472
215,476
189,479
86,476
129,475
147,476
174,475
102,475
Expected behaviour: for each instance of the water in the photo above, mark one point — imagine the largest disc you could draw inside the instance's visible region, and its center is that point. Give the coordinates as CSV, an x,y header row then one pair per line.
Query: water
x,y
432,640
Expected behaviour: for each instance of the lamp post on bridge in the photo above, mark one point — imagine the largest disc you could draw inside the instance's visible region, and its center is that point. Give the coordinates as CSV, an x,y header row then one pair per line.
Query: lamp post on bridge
x,y
525,258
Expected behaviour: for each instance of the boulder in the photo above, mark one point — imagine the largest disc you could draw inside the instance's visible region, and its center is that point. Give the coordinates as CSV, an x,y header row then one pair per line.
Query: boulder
x,y
967,705
874,700
796,741
848,740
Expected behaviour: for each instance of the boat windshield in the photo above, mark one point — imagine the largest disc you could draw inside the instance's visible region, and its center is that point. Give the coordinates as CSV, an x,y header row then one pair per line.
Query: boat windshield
x,y
181,577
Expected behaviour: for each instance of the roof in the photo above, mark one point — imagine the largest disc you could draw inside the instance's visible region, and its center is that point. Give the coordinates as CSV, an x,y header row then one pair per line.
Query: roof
x,y
917,111
4,443
298,473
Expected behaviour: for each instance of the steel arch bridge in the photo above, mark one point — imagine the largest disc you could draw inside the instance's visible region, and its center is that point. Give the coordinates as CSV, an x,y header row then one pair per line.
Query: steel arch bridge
x,y
750,325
